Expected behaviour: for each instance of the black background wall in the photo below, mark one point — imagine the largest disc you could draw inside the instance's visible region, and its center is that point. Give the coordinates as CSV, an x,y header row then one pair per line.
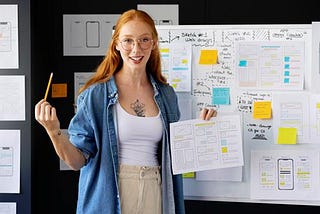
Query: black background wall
x,y
23,198
55,191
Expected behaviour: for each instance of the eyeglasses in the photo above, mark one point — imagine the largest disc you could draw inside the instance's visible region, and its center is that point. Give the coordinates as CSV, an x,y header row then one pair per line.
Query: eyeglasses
x,y
144,43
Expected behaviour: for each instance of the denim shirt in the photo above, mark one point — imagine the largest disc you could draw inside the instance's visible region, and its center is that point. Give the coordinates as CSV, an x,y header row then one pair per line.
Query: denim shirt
x,y
93,130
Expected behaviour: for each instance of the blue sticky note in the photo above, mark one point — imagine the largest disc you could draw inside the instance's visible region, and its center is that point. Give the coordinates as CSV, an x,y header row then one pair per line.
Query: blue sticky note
x,y
286,58
221,96
286,66
287,73
286,80
243,63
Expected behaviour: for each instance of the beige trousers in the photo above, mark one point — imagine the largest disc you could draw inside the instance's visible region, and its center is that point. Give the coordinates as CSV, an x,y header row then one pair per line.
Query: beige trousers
x,y
140,190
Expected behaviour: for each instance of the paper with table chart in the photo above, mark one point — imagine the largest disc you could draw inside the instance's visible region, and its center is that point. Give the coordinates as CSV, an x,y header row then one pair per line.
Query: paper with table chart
x,y
9,47
285,174
9,161
198,145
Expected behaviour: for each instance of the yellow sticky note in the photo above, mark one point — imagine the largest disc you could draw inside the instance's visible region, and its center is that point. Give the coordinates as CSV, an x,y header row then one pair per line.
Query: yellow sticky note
x,y
188,175
224,149
262,110
208,57
59,90
287,135
164,50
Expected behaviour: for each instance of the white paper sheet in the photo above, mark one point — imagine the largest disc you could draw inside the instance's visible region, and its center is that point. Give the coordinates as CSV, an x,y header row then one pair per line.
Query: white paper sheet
x,y
12,97
8,208
9,161
223,174
285,175
198,145
9,55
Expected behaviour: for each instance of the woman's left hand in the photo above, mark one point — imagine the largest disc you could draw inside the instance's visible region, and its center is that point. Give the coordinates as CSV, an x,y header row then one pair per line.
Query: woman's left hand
x,y
207,113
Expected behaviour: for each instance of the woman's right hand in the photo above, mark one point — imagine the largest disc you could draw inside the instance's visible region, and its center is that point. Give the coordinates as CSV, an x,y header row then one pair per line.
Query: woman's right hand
x,y
207,113
46,115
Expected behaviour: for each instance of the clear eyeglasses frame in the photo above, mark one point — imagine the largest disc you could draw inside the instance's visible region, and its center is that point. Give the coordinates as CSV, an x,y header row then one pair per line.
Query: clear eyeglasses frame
x,y
144,43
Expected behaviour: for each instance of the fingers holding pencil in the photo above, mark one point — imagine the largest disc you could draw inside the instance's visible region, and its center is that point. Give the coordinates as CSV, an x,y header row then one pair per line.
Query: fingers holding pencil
x,y
46,115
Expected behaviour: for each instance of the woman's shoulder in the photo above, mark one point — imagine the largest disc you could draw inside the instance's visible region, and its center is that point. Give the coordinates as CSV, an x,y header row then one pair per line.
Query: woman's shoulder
x,y
95,91
166,89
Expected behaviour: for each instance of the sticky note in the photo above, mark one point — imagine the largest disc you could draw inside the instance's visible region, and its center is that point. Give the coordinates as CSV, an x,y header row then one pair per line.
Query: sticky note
x,y
221,96
59,90
188,175
224,149
262,110
286,58
287,135
208,57
243,63
164,50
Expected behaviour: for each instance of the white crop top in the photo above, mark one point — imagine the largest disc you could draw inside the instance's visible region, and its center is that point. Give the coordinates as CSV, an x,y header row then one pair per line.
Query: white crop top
x,y
138,138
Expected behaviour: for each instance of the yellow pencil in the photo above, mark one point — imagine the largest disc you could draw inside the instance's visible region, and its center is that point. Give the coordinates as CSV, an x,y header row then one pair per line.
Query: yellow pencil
x,y
48,86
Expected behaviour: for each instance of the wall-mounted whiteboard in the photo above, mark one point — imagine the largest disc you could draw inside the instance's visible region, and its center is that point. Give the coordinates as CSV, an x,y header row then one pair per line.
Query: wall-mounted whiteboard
x,y
242,69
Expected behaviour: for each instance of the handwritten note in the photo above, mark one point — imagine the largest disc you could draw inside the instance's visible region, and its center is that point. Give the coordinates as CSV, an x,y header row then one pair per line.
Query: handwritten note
x,y
262,110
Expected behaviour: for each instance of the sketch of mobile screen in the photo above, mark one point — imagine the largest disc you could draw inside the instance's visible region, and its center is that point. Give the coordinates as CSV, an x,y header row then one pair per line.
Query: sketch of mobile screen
x,y
285,174
5,36
6,161
77,34
267,168
92,34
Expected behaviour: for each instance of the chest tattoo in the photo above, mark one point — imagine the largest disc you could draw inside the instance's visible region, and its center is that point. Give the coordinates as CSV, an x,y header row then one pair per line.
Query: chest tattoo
x,y
138,108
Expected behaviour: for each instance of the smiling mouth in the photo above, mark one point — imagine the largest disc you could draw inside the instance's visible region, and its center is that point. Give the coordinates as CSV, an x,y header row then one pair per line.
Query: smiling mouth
x,y
136,59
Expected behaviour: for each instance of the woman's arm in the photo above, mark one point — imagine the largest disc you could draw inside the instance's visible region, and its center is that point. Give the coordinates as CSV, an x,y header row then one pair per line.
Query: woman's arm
x,y
46,115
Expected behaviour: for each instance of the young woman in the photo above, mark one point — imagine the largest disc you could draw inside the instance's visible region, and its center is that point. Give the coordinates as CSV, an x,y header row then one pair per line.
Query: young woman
x,y
119,136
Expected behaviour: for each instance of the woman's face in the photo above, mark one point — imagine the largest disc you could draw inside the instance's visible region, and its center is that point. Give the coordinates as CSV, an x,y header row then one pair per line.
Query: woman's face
x,y
135,44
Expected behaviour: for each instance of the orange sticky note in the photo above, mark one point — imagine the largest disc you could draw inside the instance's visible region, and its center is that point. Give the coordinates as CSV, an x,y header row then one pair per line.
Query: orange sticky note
x,y
208,57
262,110
59,90
287,135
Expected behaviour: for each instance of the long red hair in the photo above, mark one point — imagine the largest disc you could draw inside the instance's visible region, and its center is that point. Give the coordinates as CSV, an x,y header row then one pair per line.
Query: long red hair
x,y
113,62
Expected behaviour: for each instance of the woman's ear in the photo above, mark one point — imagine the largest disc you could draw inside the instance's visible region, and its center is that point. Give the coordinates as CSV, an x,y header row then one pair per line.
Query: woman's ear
x,y
154,45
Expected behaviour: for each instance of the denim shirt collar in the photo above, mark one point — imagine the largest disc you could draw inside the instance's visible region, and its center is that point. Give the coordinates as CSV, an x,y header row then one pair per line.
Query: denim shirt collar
x,y
113,90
